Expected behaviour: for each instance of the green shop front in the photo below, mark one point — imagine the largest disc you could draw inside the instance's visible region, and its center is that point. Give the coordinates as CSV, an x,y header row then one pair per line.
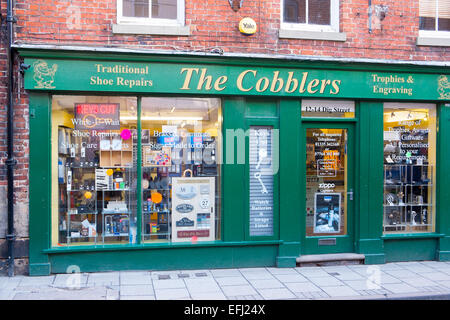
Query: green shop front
x,y
159,161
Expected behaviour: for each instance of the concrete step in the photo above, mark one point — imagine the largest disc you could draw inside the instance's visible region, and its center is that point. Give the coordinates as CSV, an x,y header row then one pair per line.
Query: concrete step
x,y
330,259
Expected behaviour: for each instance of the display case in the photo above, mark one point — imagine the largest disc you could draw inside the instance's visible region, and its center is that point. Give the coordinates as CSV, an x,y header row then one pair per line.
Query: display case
x,y
408,198
97,204
117,202
80,200
156,203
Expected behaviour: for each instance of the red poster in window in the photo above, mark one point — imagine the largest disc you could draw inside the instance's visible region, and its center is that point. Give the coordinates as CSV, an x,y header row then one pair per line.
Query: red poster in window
x,y
98,116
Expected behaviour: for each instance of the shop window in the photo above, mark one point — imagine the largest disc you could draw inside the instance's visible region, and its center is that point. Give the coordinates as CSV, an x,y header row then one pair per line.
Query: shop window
x,y
409,168
98,153
181,184
434,15
94,186
326,181
321,15
162,12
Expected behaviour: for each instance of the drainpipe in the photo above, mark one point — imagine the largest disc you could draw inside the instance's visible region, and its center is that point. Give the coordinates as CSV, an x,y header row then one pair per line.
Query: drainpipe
x,y
10,162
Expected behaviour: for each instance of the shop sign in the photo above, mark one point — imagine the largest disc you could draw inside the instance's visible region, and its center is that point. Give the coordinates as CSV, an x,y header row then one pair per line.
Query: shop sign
x,y
231,79
247,26
261,181
193,208
184,208
328,108
98,116
193,233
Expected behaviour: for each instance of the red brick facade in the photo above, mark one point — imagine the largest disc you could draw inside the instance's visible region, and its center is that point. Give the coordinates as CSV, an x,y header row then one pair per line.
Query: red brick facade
x,y
213,24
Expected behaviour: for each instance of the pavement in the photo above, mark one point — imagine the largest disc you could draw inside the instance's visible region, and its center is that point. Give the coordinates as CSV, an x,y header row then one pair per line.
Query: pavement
x,y
402,280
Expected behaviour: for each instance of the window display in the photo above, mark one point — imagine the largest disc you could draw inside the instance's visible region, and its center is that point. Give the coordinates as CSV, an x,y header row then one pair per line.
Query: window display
x,y
95,186
94,193
409,167
180,171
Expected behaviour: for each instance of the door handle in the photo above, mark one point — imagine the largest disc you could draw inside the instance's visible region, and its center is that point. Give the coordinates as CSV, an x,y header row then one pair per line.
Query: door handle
x,y
350,194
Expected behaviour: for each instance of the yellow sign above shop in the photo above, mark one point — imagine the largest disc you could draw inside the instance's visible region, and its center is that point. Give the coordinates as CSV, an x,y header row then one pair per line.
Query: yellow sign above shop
x,y
247,26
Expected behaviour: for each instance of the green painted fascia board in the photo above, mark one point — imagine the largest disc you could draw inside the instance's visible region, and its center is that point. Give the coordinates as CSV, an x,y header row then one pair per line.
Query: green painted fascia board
x,y
227,60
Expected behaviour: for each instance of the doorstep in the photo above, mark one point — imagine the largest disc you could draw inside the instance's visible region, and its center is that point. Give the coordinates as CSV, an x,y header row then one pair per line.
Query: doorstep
x,y
330,259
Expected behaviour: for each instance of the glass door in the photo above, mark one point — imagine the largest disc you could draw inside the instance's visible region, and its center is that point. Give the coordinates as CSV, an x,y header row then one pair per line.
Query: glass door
x,y
329,188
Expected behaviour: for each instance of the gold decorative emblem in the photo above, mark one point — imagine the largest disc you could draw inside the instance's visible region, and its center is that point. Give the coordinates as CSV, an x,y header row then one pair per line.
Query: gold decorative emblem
x,y
43,75
443,87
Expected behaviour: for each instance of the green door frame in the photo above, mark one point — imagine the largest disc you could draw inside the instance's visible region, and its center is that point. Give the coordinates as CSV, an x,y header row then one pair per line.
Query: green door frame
x,y
344,243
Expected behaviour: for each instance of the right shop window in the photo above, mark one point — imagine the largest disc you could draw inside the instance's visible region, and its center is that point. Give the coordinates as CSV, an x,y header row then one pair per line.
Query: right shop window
x,y
409,167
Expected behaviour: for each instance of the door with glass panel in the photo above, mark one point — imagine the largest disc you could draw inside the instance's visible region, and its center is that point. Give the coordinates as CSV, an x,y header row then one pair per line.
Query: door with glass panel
x,y
329,187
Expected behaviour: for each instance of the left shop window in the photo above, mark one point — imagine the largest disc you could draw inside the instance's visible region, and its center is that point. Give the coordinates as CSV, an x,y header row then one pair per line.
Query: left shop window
x,y
94,181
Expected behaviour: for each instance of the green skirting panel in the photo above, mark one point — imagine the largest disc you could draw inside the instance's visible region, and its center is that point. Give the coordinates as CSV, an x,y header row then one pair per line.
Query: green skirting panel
x,y
165,259
410,249
39,269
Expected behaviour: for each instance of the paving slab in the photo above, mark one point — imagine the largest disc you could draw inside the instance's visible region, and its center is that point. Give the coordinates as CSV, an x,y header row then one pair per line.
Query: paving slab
x,y
282,271
232,281
136,290
340,291
225,273
400,274
200,285
257,274
137,298
436,276
208,295
419,282
326,281
362,285
239,290
400,288
96,293
75,280
266,284
104,279
302,287
348,275
138,278
169,284
9,283
291,277
36,281
172,294
385,278
276,294
312,272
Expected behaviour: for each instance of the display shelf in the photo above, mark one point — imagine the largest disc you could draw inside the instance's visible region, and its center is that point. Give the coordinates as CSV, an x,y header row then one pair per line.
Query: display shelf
x,y
408,198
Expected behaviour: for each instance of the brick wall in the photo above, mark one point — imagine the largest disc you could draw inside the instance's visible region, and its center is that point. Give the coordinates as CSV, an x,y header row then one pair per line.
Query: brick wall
x,y
21,151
